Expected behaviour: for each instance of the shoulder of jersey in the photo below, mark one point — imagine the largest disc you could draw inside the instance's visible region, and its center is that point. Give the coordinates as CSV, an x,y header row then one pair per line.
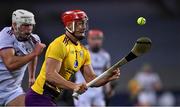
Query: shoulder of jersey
x,y
105,53
6,33
36,37
62,39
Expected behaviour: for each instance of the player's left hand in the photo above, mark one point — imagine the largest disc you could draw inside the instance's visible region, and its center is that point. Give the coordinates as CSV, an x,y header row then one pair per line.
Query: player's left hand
x,y
114,75
31,81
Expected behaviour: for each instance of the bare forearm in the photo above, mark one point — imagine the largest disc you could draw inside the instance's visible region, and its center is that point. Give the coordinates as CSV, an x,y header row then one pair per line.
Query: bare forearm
x,y
32,68
18,61
89,75
31,72
101,82
59,81
103,78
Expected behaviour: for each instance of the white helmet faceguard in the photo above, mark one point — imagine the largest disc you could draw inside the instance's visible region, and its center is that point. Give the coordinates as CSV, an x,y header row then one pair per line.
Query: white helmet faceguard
x,y
20,17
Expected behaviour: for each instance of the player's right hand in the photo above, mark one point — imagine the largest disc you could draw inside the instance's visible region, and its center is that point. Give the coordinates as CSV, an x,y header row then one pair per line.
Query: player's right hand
x,y
39,48
80,88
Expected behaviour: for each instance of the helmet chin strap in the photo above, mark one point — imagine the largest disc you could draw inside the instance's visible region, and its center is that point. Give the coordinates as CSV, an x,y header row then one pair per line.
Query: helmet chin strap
x,y
73,34
73,30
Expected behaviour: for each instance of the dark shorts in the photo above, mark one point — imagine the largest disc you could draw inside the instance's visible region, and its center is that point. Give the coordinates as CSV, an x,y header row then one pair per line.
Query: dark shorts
x,y
35,99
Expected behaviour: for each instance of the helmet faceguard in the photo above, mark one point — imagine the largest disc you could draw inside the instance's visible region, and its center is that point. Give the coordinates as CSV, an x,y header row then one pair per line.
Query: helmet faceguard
x,y
72,17
22,17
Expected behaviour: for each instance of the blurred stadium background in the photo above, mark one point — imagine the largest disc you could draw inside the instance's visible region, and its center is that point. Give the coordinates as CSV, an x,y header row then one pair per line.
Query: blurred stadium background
x,y
117,18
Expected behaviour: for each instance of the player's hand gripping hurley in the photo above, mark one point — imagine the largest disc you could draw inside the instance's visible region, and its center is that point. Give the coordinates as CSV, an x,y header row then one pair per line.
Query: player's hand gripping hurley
x,y
141,46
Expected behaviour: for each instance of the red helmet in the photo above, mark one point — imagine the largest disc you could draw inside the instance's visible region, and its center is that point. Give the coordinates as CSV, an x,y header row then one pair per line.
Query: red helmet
x,y
95,32
73,15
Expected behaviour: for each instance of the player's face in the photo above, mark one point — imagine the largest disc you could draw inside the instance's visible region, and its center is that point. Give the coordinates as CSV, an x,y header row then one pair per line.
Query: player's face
x,y
95,42
147,69
24,31
80,29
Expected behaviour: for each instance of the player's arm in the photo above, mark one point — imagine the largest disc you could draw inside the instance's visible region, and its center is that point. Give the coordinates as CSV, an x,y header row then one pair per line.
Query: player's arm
x,y
53,66
13,62
109,91
89,75
31,70
56,53
157,83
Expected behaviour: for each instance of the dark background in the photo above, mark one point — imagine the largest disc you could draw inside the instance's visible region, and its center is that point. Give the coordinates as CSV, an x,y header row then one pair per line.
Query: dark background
x,y
117,18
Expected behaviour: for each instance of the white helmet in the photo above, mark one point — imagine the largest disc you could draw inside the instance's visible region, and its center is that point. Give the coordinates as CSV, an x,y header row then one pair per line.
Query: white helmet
x,y
21,16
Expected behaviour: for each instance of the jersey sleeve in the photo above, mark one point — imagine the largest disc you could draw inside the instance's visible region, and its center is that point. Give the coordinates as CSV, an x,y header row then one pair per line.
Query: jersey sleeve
x,y
87,58
6,40
36,38
57,50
